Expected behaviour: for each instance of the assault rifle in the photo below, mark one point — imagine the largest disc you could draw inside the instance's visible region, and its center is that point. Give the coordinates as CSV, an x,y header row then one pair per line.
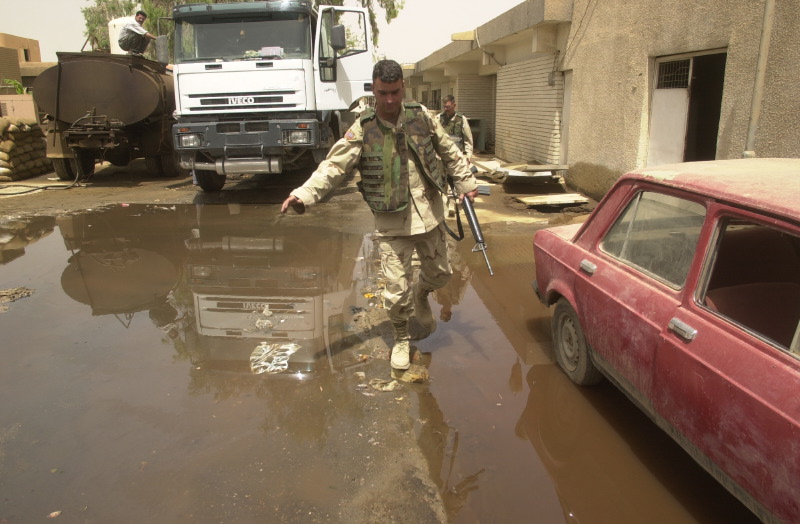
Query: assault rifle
x,y
474,225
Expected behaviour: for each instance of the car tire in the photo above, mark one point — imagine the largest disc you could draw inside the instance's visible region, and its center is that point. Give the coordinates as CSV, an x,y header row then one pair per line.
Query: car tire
x,y
572,352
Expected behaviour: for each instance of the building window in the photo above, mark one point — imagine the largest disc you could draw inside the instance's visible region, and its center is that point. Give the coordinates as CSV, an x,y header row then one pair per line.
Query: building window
x,y
674,74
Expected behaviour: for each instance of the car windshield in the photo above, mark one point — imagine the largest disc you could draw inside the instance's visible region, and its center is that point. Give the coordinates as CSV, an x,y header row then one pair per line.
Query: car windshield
x,y
275,36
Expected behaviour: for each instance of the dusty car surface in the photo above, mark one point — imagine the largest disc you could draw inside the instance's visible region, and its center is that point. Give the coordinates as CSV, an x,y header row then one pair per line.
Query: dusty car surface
x,y
683,289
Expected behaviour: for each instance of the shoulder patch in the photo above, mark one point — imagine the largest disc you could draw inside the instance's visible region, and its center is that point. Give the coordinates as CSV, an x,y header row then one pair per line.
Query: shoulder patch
x,y
350,135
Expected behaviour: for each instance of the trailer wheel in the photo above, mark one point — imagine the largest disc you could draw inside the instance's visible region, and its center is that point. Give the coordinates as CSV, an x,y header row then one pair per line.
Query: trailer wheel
x,y
63,168
209,181
83,163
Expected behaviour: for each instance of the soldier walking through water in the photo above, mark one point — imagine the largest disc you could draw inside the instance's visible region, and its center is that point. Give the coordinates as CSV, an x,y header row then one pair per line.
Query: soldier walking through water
x,y
395,148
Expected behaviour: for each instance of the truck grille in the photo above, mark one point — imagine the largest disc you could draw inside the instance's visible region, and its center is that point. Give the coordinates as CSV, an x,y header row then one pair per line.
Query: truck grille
x,y
249,101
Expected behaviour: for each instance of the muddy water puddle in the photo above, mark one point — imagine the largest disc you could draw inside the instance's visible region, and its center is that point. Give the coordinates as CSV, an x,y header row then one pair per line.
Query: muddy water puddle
x,y
131,393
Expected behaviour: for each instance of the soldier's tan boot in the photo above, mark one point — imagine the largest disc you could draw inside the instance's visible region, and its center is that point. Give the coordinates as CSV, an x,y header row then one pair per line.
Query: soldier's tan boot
x,y
422,308
401,350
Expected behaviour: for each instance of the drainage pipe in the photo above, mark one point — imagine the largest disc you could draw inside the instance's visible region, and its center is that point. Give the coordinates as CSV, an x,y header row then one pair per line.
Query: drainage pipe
x,y
761,73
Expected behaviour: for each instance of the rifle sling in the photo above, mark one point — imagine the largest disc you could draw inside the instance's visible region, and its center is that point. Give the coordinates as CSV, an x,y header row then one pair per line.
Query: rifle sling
x,y
460,235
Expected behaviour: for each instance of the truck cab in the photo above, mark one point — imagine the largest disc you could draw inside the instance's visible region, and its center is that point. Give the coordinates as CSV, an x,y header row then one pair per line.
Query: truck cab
x,y
259,85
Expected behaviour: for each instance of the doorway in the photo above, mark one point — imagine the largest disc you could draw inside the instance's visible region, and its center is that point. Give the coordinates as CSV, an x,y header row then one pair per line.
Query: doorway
x,y
685,108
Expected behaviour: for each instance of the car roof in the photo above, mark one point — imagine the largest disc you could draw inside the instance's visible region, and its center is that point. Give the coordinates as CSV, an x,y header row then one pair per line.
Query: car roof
x,y
768,184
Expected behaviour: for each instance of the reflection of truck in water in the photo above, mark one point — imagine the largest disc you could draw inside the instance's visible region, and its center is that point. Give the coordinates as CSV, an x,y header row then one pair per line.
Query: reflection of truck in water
x,y
276,286
259,85
101,106
123,260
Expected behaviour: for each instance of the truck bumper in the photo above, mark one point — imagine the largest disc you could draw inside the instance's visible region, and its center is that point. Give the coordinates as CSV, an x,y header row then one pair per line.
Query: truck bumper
x,y
252,146
230,166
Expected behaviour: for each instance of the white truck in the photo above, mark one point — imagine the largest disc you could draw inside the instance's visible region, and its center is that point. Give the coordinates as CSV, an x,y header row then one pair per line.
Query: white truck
x,y
259,85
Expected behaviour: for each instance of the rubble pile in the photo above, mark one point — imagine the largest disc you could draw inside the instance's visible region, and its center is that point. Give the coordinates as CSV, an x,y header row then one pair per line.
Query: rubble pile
x,y
22,150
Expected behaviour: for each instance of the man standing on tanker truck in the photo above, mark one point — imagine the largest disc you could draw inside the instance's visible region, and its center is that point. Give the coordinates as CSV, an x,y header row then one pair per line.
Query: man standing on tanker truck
x,y
134,37
395,148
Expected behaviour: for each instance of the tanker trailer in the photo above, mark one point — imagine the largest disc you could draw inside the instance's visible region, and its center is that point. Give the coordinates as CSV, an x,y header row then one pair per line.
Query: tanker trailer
x,y
107,107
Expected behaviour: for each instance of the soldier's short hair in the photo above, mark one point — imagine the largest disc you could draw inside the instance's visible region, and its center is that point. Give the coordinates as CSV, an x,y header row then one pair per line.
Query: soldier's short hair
x,y
450,98
141,13
388,71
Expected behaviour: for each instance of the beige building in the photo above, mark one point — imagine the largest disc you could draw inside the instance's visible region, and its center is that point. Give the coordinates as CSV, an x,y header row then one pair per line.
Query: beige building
x,y
605,87
20,60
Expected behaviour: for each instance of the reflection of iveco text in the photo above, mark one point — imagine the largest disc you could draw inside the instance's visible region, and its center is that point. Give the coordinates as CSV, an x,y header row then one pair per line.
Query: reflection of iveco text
x,y
281,296
259,85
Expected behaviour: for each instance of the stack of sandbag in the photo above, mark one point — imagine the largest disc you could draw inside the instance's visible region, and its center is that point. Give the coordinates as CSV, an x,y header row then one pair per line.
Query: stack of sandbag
x,y
22,150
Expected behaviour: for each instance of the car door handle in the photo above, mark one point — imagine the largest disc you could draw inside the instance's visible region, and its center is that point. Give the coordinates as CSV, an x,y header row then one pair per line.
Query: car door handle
x,y
588,267
682,329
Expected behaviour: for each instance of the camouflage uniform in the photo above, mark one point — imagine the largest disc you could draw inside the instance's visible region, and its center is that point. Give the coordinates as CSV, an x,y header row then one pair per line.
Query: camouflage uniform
x,y
416,223
458,129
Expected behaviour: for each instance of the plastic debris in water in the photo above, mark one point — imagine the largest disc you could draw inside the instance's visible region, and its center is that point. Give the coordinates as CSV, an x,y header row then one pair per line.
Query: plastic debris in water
x,y
272,358
380,384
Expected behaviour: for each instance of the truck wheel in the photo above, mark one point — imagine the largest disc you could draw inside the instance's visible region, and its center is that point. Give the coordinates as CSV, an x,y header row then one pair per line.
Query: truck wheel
x,y
209,180
63,168
153,165
83,163
170,167
572,352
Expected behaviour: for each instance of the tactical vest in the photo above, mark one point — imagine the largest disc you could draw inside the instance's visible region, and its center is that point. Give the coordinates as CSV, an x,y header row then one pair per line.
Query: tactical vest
x,y
384,177
454,127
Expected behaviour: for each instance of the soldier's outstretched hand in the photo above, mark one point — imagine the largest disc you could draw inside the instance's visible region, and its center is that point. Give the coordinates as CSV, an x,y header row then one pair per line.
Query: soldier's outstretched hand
x,y
295,203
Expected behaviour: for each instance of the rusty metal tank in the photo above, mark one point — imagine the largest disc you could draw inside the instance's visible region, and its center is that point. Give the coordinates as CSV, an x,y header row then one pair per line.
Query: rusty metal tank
x,y
127,89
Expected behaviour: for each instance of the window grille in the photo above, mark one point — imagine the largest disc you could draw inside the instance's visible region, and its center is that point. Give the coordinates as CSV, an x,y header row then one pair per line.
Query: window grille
x,y
673,75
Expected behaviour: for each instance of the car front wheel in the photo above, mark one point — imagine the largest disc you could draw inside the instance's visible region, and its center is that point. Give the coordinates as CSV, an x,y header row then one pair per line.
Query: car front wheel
x,y
572,351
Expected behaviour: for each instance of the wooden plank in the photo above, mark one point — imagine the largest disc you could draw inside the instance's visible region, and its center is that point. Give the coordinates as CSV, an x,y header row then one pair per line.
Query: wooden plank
x,y
559,199
535,167
515,176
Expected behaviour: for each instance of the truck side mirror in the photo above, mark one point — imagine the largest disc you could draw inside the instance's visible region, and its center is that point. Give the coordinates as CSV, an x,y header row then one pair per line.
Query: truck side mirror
x,y
162,49
338,39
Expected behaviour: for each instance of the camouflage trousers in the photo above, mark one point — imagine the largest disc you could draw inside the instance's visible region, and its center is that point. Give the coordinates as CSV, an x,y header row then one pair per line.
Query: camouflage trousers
x,y
396,263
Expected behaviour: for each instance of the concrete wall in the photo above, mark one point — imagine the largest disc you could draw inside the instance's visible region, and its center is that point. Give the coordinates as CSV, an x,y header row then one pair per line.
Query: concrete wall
x,y
611,52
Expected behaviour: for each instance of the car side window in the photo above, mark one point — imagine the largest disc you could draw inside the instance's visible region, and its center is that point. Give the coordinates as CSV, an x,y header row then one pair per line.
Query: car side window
x,y
657,234
755,280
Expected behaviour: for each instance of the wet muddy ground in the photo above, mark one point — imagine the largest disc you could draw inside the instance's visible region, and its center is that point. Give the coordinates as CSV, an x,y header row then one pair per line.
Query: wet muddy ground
x,y
129,393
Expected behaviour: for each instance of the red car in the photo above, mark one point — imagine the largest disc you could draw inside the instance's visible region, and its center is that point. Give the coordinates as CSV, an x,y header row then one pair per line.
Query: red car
x,y
683,289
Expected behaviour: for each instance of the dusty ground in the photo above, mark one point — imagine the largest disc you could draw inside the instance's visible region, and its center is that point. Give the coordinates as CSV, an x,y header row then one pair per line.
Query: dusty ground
x,y
392,484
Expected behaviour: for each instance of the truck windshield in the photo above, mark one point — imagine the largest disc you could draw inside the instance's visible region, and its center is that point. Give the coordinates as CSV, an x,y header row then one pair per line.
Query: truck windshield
x,y
275,36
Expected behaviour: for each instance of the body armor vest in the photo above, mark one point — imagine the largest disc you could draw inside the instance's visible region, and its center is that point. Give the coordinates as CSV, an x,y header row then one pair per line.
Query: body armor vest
x,y
384,160
454,127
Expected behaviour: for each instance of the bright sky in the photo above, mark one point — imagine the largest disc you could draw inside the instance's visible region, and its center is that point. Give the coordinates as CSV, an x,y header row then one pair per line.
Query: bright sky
x,y
422,27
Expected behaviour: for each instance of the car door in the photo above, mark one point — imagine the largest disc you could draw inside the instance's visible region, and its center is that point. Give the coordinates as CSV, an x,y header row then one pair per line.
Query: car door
x,y
727,371
632,280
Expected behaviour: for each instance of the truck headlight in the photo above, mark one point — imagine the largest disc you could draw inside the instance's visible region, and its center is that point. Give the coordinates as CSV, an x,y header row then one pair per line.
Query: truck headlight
x,y
298,137
190,140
